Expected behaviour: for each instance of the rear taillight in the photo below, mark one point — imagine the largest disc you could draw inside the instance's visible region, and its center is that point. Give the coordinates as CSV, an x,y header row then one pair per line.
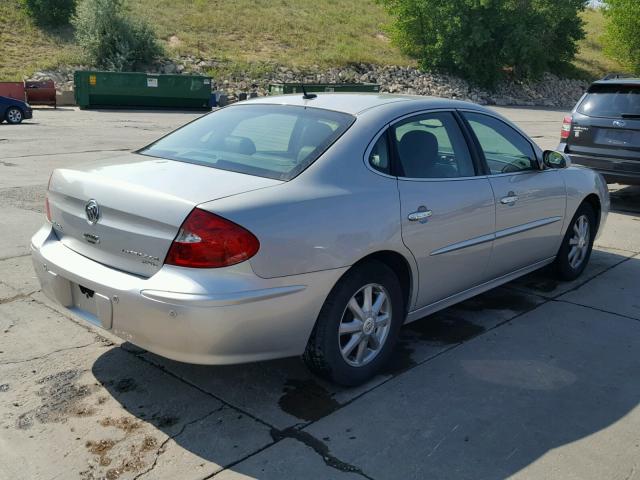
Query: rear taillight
x,y
566,127
206,240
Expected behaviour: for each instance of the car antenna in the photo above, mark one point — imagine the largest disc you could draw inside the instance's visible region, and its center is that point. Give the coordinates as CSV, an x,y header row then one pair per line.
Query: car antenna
x,y
305,95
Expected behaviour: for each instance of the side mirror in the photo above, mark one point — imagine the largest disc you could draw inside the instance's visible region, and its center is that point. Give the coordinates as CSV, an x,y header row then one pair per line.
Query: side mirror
x,y
554,159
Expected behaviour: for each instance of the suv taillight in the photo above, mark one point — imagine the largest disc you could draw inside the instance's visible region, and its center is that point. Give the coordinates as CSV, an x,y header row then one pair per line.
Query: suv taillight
x,y
566,127
206,240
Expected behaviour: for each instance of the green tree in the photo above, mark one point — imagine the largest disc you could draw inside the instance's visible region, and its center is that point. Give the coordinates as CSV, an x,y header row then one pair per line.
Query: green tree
x,y
483,40
622,32
112,39
52,13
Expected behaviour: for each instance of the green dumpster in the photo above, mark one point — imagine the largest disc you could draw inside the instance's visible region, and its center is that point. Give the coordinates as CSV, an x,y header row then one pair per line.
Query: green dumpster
x,y
125,89
286,88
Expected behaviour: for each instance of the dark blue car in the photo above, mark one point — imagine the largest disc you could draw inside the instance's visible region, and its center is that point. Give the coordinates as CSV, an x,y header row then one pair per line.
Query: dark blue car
x,y
14,111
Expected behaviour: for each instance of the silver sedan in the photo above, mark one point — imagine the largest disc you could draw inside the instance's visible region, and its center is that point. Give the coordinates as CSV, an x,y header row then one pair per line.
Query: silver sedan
x,y
313,226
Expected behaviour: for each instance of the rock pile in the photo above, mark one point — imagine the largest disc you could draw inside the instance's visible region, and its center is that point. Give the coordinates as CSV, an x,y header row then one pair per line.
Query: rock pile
x,y
549,91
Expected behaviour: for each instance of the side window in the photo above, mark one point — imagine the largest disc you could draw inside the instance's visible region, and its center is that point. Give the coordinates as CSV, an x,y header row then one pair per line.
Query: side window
x,y
432,146
505,150
379,156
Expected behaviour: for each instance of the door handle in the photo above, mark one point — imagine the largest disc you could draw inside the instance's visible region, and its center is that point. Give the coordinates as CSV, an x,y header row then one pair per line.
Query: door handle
x,y
421,214
510,199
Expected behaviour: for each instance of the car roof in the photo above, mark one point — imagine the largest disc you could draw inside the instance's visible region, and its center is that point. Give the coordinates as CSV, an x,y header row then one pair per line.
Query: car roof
x,y
618,81
357,103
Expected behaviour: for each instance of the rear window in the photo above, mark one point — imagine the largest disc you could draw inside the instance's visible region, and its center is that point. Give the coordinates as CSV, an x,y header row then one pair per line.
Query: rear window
x,y
271,141
615,101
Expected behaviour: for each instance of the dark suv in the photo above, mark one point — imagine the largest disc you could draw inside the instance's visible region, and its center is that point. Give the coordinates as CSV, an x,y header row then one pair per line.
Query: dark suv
x,y
603,130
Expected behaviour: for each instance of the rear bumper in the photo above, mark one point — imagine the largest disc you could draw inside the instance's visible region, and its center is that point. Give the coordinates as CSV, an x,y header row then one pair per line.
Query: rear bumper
x,y
614,170
220,316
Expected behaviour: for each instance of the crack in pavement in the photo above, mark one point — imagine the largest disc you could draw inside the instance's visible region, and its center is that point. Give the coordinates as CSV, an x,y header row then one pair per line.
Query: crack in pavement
x,y
622,315
13,362
19,296
160,450
70,153
276,434
319,447
15,256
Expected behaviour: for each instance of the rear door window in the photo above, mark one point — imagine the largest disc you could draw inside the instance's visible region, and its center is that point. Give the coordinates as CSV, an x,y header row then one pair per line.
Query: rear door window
x,y
612,101
431,145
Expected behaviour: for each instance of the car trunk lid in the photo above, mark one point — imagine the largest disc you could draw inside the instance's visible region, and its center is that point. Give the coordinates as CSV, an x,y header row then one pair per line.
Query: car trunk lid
x,y
140,204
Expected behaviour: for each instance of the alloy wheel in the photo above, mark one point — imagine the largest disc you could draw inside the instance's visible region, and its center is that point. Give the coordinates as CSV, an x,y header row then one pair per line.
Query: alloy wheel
x,y
364,326
579,242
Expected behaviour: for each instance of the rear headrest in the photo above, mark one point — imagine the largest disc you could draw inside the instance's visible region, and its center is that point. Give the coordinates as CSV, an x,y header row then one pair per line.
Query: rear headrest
x,y
241,145
419,142
315,134
418,151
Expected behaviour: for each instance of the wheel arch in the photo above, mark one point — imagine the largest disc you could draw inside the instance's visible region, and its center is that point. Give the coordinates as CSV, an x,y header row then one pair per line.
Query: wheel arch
x,y
400,266
594,201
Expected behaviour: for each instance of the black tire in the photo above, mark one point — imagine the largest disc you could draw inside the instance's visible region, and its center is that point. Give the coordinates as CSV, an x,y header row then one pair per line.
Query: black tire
x,y
323,354
14,115
564,268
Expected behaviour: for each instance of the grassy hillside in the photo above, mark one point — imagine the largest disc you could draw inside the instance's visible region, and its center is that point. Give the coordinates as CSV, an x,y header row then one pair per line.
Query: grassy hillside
x,y
590,58
25,48
289,32
293,32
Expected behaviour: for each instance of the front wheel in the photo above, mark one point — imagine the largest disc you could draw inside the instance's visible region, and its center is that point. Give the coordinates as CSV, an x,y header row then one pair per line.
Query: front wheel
x,y
577,244
358,325
14,116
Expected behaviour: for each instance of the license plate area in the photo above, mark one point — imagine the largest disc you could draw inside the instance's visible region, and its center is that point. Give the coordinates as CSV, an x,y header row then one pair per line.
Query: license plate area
x,y
618,137
93,306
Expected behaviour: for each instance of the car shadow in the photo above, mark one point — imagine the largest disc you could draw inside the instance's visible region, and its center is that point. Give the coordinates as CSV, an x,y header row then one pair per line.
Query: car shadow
x,y
525,393
625,199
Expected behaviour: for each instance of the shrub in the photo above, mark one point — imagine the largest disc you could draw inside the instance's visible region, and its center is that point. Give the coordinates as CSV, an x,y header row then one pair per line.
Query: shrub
x,y
483,40
622,32
111,39
53,13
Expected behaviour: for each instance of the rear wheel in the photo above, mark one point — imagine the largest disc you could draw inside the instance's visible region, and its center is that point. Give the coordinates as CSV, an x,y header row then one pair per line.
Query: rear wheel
x,y
577,244
14,115
358,325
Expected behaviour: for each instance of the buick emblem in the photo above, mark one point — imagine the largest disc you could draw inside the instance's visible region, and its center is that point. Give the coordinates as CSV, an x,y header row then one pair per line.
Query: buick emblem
x,y
92,210
619,123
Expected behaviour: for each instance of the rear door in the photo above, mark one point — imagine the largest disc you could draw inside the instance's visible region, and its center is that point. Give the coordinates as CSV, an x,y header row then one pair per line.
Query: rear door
x,y
607,124
448,212
529,202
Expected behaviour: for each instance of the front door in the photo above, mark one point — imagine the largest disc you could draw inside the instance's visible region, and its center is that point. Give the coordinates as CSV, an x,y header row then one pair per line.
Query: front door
x,y
530,203
448,212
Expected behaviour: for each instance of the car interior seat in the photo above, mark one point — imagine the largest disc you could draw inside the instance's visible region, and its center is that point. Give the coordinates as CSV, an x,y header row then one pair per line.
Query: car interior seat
x,y
420,157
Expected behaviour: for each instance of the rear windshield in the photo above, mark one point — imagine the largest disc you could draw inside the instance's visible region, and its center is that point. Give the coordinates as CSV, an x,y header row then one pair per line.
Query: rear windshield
x,y
271,141
615,101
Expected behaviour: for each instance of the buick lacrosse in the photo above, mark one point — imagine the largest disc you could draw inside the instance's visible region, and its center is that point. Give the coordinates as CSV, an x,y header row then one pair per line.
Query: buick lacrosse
x,y
310,225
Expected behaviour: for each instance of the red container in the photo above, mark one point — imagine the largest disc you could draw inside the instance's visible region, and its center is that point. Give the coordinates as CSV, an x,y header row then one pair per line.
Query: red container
x,y
12,90
41,93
